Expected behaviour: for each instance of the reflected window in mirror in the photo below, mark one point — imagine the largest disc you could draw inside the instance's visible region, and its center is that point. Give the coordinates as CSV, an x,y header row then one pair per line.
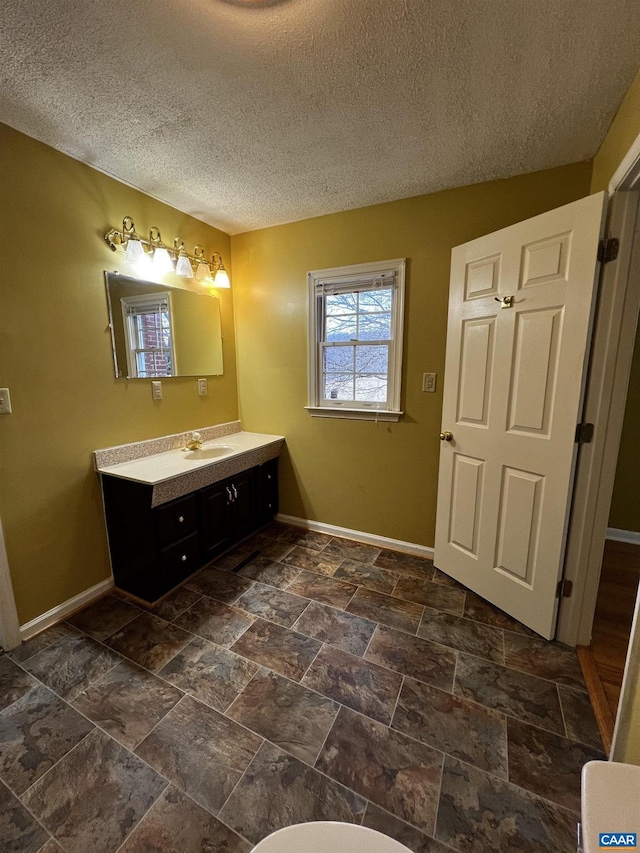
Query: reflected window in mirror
x,y
149,336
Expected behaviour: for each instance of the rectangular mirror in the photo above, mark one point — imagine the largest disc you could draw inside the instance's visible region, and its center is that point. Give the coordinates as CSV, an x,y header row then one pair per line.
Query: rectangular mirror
x,y
159,331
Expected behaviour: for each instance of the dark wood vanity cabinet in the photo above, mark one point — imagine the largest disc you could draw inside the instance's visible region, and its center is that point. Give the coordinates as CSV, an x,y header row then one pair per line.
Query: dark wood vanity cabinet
x,y
153,549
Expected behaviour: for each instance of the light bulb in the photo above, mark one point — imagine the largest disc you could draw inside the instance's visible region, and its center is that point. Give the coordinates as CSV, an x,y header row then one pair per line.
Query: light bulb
x,y
162,260
183,267
221,278
144,266
134,253
203,273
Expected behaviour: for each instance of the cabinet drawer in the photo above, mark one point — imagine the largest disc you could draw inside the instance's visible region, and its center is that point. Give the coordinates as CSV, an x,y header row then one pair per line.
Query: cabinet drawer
x,y
176,519
179,560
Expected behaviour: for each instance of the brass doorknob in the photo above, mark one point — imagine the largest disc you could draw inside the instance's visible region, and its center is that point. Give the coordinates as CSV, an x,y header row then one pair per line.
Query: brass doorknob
x,y
446,436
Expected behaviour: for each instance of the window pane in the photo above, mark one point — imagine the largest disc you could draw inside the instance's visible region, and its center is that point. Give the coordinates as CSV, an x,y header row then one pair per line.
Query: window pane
x,y
341,328
376,300
374,327
149,337
141,362
338,386
341,303
371,388
152,330
338,359
372,359
150,364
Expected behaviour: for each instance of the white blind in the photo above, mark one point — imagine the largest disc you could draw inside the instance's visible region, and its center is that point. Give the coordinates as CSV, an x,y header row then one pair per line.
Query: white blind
x,y
351,284
138,310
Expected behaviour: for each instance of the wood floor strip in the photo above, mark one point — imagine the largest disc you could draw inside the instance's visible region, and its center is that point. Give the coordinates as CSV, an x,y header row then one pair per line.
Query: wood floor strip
x,y
597,695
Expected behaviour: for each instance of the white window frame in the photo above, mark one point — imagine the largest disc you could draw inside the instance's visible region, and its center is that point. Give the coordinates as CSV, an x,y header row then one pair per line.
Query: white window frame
x,y
341,276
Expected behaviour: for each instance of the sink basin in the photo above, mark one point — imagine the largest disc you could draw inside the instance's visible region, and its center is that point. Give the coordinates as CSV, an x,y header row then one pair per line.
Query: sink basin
x,y
209,452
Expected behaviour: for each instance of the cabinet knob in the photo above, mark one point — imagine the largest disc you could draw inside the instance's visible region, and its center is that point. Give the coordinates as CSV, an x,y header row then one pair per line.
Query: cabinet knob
x,y
181,519
184,558
268,476
269,506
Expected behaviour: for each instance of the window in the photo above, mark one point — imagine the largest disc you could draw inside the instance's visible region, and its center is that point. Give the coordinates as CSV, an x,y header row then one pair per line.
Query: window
x,y
147,323
355,341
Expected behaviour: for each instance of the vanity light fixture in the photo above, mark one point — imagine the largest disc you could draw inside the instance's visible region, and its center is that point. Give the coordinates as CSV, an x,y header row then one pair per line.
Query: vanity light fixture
x,y
153,253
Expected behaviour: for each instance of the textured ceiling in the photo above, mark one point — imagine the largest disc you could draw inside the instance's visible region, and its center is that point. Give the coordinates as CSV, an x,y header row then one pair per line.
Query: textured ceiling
x,y
256,113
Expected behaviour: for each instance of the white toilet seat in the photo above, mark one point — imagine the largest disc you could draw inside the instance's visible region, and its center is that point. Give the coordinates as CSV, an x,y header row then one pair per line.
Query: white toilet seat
x,y
328,837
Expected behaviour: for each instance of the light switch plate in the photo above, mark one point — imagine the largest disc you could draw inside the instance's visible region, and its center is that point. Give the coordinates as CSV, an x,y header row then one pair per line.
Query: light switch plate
x,y
202,387
156,390
429,382
5,402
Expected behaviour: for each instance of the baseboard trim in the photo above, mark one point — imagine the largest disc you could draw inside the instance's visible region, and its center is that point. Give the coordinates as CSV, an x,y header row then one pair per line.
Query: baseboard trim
x,y
617,535
598,698
56,614
359,535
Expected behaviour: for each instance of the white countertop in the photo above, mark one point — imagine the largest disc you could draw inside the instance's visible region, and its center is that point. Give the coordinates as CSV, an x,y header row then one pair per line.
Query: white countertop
x,y
176,463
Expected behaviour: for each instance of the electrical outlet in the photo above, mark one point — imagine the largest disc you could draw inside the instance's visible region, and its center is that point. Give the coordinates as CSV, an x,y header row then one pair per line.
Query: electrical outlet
x,y
202,387
5,402
429,382
156,390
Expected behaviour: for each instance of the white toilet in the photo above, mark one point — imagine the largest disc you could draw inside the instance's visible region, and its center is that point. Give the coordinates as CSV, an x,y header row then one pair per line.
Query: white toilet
x,y
610,806
328,837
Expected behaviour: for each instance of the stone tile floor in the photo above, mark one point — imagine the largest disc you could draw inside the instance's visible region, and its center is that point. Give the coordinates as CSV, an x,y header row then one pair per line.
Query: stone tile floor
x,y
301,677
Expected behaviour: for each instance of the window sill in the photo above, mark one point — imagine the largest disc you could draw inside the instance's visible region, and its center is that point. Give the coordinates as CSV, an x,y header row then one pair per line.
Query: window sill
x,y
354,414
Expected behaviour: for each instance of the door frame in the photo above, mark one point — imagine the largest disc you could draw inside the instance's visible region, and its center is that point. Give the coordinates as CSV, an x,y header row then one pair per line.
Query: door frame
x,y
605,400
606,395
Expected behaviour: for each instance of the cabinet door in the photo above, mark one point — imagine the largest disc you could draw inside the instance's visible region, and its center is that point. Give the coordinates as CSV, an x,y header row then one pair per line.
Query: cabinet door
x,y
266,491
216,519
242,506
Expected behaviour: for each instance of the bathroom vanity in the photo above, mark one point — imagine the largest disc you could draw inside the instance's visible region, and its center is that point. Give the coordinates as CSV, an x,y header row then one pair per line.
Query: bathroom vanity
x,y
169,511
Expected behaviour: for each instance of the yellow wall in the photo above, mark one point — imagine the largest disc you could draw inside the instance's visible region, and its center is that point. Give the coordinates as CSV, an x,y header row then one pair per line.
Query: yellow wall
x,y
622,133
380,478
55,357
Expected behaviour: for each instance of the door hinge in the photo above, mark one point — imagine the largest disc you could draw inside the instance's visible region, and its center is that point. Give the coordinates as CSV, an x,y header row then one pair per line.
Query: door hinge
x,y
584,433
608,249
564,589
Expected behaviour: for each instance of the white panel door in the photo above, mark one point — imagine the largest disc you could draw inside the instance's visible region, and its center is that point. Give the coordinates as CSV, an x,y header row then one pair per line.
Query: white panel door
x,y
513,390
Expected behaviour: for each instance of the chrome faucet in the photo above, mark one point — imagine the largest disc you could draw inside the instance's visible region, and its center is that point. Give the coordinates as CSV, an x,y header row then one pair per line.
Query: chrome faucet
x,y
194,442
